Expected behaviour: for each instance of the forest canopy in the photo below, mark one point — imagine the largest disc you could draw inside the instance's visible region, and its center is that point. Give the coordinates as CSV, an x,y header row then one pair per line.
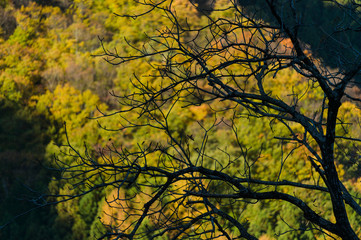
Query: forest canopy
x,y
146,120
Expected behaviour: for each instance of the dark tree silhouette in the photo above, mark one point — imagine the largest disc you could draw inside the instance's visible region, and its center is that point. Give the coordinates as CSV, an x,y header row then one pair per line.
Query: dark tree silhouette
x,y
177,187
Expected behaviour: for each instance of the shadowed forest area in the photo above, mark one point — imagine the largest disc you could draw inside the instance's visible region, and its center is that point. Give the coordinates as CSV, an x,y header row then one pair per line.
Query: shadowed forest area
x,y
56,86
326,29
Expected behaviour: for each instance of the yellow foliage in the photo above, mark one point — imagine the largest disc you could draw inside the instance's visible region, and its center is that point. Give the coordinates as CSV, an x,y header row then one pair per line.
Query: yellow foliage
x,y
200,112
69,105
357,184
349,112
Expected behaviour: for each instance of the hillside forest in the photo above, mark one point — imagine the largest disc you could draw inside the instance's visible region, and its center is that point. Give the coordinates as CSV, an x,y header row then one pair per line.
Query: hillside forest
x,y
55,86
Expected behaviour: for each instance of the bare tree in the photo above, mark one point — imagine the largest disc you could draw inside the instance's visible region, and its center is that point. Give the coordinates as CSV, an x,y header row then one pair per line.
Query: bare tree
x,y
173,184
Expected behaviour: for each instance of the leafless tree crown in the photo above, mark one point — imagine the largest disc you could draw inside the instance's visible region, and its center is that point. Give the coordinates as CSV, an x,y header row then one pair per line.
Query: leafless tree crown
x,y
242,62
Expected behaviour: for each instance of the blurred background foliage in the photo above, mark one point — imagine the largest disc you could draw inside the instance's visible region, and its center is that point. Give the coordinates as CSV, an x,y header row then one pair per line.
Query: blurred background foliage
x,y
49,77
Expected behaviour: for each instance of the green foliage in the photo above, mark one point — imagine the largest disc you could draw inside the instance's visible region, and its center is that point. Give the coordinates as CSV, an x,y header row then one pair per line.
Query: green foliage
x,y
88,207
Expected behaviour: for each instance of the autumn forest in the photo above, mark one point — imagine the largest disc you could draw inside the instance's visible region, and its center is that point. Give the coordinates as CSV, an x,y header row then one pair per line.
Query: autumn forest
x,y
179,119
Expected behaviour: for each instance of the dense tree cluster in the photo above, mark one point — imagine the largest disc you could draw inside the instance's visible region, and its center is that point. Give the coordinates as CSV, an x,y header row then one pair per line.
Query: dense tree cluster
x,y
65,109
